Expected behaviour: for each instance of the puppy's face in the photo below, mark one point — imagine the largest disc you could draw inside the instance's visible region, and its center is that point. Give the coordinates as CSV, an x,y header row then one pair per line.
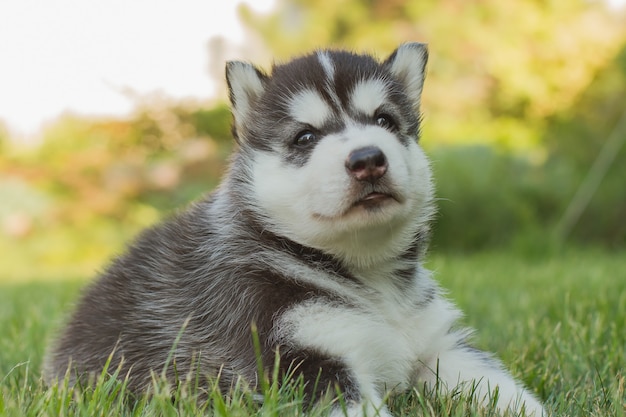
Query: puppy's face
x,y
333,141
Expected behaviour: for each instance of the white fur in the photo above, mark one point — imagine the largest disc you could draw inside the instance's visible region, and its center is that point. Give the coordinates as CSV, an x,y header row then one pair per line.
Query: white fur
x,y
327,64
368,95
308,107
329,70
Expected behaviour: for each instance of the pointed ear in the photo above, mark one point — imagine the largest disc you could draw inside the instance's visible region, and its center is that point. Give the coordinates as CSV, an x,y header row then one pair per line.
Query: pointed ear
x,y
408,65
245,85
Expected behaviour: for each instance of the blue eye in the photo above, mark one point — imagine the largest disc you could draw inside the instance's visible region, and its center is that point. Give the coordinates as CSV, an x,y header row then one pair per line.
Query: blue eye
x,y
304,138
385,121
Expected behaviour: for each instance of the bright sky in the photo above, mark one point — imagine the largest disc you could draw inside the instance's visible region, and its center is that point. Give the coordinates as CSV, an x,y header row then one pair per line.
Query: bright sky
x,y
77,55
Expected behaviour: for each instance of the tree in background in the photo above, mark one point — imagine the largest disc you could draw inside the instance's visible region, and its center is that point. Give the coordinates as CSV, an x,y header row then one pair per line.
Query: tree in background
x,y
91,184
592,133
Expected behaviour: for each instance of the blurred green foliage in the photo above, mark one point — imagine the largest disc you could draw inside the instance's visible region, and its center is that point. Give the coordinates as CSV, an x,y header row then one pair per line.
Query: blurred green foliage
x,y
575,138
520,98
70,202
497,69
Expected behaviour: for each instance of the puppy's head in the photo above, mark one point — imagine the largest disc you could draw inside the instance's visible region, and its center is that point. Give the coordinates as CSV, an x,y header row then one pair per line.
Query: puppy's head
x,y
331,142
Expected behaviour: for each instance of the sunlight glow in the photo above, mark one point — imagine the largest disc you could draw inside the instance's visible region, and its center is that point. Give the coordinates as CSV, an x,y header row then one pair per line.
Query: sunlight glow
x,y
80,56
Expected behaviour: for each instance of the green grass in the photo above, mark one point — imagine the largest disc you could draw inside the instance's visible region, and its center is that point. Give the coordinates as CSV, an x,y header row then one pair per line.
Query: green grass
x,y
558,323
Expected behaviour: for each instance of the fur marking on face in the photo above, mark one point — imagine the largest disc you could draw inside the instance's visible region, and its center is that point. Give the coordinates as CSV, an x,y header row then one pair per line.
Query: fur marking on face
x,y
368,96
327,64
308,107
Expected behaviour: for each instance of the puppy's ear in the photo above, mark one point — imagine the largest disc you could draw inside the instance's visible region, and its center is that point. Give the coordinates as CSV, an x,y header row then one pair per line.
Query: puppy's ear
x,y
246,83
408,65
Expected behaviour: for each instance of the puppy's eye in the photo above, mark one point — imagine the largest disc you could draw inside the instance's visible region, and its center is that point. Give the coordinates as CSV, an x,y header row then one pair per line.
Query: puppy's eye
x,y
304,138
385,121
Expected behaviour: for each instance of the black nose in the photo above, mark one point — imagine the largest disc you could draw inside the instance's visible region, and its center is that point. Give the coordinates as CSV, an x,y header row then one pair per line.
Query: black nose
x,y
367,164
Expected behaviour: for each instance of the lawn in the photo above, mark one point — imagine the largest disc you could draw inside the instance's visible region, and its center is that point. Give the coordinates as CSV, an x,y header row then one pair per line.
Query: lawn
x,y
558,323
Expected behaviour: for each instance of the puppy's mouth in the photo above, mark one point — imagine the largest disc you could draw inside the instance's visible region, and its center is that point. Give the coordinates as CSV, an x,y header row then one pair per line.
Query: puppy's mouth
x,y
368,200
376,198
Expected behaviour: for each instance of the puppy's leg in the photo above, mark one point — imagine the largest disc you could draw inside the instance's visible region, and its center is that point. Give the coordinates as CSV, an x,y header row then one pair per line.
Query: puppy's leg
x,y
478,373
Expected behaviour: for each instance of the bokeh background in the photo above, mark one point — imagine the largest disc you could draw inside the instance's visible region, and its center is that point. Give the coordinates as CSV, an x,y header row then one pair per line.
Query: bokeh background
x,y
524,118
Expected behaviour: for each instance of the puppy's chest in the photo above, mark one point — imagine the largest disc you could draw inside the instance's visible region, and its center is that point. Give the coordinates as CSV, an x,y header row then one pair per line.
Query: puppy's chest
x,y
380,337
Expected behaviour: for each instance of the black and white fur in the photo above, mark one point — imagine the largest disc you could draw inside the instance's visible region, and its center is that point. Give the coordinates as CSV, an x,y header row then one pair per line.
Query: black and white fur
x,y
316,236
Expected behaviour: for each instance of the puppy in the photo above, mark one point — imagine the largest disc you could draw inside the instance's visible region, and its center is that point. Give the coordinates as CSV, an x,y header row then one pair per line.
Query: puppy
x,y
315,238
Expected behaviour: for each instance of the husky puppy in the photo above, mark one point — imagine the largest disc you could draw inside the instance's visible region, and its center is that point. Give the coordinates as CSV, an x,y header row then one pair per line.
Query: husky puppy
x,y
315,239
